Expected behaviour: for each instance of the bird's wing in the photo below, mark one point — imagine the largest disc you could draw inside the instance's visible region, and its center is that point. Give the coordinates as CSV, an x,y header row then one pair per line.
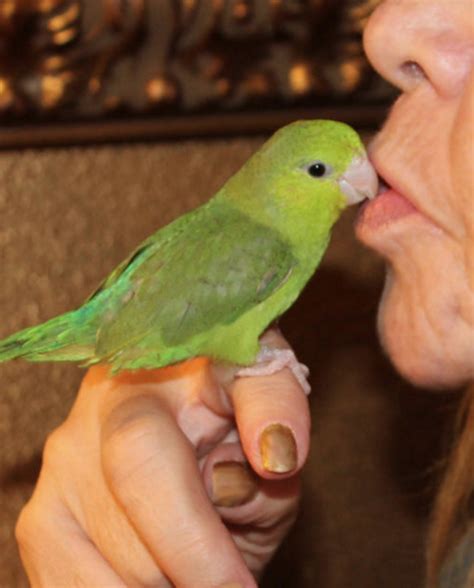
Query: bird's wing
x,y
218,268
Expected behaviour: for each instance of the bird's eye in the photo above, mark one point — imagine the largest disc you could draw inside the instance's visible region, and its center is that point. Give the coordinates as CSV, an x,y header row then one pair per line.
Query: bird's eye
x,y
318,169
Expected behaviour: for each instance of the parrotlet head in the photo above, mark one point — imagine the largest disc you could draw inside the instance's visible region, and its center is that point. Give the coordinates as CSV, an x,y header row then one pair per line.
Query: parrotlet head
x,y
315,153
308,169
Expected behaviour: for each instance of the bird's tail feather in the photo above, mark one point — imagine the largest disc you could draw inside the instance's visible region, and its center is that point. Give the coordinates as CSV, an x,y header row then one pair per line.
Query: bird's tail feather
x,y
62,338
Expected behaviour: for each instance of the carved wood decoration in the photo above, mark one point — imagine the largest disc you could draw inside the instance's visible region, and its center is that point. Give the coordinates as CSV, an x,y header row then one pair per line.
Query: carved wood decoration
x,y
131,67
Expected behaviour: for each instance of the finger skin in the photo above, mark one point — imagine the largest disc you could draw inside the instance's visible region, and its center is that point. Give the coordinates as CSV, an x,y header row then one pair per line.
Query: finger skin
x,y
267,515
72,476
271,501
264,401
143,451
59,554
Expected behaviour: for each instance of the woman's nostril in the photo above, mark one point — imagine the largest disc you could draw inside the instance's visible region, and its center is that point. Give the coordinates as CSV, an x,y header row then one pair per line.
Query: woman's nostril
x,y
413,71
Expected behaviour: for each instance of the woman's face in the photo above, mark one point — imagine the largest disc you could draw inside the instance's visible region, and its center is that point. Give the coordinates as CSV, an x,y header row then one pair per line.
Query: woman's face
x,y
424,223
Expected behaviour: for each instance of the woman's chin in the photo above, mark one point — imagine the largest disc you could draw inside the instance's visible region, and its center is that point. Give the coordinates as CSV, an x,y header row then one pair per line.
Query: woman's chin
x,y
416,352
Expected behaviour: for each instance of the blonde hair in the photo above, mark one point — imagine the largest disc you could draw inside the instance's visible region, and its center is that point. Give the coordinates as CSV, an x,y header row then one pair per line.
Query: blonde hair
x,y
454,502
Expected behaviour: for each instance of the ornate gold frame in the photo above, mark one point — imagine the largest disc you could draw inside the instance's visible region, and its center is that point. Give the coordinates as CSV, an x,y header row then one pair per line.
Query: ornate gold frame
x,y
91,70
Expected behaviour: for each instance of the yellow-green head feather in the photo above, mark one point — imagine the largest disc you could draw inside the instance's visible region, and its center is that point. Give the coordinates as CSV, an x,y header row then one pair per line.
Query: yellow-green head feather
x,y
277,188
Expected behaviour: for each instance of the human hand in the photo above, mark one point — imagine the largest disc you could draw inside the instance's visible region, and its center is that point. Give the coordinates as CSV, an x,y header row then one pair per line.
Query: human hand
x,y
146,483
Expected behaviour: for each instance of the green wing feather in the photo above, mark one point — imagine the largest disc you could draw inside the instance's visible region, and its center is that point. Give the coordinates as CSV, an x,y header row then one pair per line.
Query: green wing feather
x,y
210,272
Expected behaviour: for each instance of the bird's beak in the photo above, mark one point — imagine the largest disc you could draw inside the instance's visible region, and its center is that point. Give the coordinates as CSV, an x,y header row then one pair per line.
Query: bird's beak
x,y
360,181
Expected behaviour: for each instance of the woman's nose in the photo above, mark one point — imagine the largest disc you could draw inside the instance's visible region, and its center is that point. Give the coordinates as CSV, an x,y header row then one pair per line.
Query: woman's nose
x,y
411,42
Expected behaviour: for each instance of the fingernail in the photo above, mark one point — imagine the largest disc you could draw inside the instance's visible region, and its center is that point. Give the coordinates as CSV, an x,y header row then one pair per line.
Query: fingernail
x,y
232,585
233,483
278,449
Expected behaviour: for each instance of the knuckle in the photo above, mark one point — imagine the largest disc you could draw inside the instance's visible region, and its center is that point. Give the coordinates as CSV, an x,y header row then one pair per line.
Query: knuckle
x,y
279,514
29,526
127,421
56,447
129,438
22,527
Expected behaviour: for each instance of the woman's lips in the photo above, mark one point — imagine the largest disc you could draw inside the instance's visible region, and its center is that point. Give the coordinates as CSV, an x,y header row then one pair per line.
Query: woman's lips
x,y
386,208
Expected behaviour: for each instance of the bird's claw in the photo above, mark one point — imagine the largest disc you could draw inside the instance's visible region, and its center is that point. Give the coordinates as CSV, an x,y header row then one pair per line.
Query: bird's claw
x,y
271,360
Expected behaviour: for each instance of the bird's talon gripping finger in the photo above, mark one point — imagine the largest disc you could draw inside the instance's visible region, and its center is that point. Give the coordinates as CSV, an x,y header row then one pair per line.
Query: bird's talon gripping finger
x,y
271,360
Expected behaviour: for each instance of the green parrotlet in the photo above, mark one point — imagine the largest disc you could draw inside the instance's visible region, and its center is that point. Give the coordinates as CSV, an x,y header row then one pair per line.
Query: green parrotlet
x,y
210,282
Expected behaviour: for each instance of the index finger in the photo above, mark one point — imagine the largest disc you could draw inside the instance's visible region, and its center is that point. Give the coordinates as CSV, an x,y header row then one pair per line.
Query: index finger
x,y
273,419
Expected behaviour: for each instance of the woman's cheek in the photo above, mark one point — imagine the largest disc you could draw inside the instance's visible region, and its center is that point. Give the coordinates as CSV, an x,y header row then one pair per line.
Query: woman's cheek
x,y
462,150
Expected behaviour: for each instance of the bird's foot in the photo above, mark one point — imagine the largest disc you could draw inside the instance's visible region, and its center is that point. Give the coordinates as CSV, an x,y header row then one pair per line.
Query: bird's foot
x,y
271,360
